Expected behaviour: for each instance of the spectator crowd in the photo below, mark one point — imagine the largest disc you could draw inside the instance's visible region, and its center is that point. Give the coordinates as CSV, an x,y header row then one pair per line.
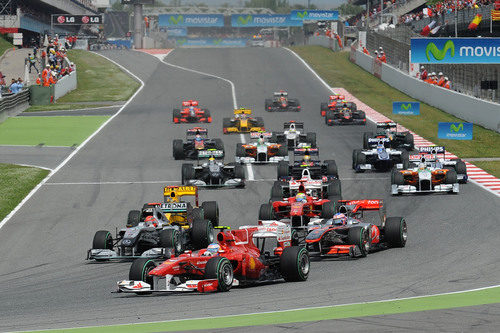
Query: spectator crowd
x,y
55,62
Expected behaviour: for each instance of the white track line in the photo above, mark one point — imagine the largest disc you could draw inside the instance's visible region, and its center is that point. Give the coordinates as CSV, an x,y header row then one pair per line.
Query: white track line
x,y
250,173
74,152
76,110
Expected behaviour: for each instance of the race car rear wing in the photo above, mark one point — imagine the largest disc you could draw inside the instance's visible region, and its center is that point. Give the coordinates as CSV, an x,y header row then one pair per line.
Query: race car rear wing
x,y
197,130
387,124
258,135
242,111
306,151
357,206
210,153
280,93
428,153
175,193
298,125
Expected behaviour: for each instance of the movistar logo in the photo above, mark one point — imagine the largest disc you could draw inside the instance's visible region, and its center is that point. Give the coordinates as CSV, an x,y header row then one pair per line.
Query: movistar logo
x,y
217,41
455,128
302,14
181,42
406,107
175,20
437,53
244,20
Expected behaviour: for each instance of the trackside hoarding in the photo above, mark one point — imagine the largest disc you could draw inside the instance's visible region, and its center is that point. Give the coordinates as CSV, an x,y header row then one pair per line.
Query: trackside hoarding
x,y
263,20
319,15
455,50
210,42
191,20
455,131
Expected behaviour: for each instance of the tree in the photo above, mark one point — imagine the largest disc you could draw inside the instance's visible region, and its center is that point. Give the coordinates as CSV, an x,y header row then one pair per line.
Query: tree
x,y
349,9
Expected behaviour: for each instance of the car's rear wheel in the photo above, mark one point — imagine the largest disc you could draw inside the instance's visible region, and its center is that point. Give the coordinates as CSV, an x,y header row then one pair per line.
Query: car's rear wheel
x,y
360,159
331,168
171,239
176,115
328,210
397,178
220,269
311,139
226,122
211,212
208,116
283,150
323,108
201,234
240,150
359,236
450,177
395,231
294,264
276,192
133,218
178,149
239,172
282,169
334,190
266,212
187,173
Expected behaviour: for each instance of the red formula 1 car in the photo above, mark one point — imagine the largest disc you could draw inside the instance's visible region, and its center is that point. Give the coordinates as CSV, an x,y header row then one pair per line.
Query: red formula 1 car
x,y
190,112
297,210
331,104
241,257
347,235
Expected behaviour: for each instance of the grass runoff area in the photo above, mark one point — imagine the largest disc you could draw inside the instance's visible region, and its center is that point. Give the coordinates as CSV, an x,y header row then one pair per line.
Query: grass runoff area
x,y
4,45
15,183
49,131
336,69
98,80
417,304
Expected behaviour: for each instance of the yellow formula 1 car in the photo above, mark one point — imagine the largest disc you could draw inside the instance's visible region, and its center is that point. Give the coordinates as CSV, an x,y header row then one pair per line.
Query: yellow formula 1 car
x,y
242,122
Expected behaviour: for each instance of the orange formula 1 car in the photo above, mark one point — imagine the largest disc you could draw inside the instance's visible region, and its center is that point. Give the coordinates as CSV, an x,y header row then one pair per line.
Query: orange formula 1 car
x,y
190,112
261,150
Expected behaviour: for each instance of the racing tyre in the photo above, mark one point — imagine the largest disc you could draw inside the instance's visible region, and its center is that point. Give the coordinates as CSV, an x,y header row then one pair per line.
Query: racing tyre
x,y
360,159
171,239
201,234
283,150
294,263
331,168
355,158
268,104
139,271
328,210
239,172
259,122
451,177
211,212
240,150
266,212
133,218
276,192
362,115
395,231
397,178
176,115
311,139
102,240
409,141
196,214
208,116
187,173
323,108
226,122
359,236
178,149
220,269
366,136
282,169
461,169
219,145
329,116
405,159
334,190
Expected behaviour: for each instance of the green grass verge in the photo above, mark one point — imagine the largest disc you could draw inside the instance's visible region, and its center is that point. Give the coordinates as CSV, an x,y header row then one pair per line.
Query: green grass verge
x,y
55,107
4,45
15,183
336,69
51,131
437,302
98,80
492,167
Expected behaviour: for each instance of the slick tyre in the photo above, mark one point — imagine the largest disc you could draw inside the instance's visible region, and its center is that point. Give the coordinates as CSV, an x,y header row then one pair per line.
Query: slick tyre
x,y
451,177
282,169
334,190
276,192
360,237
266,212
240,150
294,264
187,173
328,210
211,212
171,239
139,271
395,232
176,115
220,269
397,178
461,169
366,136
331,168
226,122
102,240
311,139
133,218
360,159
178,149
201,234
283,150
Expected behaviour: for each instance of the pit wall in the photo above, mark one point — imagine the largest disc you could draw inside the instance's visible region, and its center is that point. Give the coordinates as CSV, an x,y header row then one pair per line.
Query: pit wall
x,y
468,108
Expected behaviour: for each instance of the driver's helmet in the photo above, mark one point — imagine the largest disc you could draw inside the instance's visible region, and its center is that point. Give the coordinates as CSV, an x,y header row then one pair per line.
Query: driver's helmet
x,y
306,158
213,248
261,141
198,138
339,219
421,166
211,160
191,109
380,146
151,221
301,197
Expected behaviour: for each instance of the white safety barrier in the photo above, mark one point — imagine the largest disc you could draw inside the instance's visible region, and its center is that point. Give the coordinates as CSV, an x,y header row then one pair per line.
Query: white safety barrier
x,y
468,108
65,85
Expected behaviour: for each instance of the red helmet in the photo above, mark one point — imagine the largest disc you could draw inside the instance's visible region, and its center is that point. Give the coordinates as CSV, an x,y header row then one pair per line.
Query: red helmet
x,y
151,220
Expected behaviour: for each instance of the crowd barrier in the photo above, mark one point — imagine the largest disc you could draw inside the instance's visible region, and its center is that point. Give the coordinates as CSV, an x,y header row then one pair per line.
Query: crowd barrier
x,y
210,42
471,109
11,106
65,85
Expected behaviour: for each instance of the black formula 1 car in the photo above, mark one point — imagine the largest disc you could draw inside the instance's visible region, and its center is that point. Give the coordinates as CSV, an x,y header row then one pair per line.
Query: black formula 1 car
x,y
196,141
213,173
294,137
190,112
346,234
308,158
379,158
159,230
388,130
281,102
345,114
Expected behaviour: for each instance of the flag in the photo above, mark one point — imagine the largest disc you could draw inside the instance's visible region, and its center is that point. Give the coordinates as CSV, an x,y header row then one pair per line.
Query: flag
x,y
495,15
475,22
427,29
435,30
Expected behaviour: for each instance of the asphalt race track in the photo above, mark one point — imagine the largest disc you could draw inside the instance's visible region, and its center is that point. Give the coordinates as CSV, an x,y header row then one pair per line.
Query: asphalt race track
x,y
46,283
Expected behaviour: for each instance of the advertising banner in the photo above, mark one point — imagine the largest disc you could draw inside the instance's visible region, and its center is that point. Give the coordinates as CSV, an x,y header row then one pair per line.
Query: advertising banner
x,y
455,131
76,19
406,108
314,15
455,50
210,42
191,20
176,32
263,20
